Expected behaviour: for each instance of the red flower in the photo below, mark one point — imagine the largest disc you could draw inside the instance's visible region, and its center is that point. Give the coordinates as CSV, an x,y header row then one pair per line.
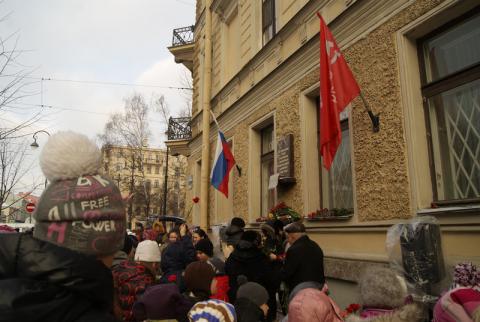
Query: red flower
x,y
196,199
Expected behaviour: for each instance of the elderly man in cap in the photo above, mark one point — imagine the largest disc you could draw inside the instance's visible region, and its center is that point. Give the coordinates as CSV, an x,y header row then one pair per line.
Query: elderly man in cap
x,y
304,259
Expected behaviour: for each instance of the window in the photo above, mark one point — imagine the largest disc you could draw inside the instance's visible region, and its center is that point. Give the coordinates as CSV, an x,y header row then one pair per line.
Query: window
x,y
450,73
149,169
268,20
267,168
156,184
157,158
336,184
157,170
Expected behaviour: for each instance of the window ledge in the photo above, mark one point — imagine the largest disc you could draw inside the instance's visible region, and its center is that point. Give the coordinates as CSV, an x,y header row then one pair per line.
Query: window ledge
x,y
466,209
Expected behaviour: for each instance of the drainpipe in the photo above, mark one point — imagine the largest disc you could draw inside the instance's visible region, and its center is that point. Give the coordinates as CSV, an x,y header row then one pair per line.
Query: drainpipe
x,y
207,82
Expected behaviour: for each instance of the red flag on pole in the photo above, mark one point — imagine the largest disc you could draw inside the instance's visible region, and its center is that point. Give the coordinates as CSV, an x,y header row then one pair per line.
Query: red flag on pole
x,y
337,89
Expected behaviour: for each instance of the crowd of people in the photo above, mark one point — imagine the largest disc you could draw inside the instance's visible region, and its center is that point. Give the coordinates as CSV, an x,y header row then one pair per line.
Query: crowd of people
x,y
80,264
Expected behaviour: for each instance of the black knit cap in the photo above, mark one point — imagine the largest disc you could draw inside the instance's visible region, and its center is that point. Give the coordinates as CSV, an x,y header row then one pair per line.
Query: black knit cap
x,y
205,246
237,221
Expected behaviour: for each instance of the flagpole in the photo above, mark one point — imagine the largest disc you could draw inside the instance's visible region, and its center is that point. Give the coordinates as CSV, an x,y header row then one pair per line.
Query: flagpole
x,y
218,129
374,118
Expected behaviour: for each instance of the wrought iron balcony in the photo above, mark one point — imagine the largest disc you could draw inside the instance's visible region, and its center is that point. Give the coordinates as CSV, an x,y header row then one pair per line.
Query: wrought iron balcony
x,y
183,36
179,128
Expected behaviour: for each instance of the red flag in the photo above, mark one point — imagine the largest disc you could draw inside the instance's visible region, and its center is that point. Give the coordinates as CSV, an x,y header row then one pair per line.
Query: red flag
x,y
337,89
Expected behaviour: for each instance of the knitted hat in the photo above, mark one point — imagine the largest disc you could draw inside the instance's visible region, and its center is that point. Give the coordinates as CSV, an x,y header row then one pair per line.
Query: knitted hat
x,y
198,277
204,246
80,209
466,274
147,251
212,311
237,221
294,227
252,291
159,302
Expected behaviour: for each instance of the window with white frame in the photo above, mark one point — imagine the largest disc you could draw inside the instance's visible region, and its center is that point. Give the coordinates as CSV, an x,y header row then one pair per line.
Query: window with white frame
x,y
450,73
267,168
336,184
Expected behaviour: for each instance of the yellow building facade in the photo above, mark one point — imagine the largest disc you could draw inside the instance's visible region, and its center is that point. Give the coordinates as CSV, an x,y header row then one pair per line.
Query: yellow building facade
x,y
263,83
145,175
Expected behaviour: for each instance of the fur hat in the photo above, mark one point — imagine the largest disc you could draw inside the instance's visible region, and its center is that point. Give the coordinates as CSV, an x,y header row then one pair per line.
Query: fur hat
x,y
205,246
237,221
252,291
212,311
147,251
381,287
80,209
198,277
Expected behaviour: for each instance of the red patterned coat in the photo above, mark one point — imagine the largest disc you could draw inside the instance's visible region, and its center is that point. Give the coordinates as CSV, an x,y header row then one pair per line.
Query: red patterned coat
x,y
131,279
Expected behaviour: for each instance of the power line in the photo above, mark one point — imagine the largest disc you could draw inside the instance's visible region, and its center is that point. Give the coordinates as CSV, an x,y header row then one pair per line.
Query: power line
x,y
97,82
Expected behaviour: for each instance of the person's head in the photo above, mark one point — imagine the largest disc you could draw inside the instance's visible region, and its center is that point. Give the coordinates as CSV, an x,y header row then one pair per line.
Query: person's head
x,y
204,249
173,236
199,234
254,292
212,310
267,230
237,221
382,287
129,245
148,253
294,231
252,237
139,227
465,274
158,227
80,209
199,278
159,302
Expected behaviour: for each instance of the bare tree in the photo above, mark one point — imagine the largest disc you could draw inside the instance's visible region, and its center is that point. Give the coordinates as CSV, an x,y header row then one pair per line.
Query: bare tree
x,y
13,169
14,88
130,129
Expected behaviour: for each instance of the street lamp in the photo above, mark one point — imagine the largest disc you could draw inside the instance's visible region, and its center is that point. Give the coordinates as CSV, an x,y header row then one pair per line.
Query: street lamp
x,y
35,145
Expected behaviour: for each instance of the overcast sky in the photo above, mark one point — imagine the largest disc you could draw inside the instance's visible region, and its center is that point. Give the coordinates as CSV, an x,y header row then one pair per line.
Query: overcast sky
x,y
121,41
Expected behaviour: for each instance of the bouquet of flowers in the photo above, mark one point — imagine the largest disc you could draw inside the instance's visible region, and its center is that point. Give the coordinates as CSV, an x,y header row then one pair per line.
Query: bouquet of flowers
x,y
284,213
351,309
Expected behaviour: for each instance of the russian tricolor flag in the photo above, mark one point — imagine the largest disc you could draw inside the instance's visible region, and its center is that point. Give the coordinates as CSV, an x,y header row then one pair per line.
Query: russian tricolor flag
x,y
222,165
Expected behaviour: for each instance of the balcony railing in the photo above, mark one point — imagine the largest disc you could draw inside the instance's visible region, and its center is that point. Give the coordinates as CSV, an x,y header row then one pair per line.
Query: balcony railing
x,y
179,128
183,36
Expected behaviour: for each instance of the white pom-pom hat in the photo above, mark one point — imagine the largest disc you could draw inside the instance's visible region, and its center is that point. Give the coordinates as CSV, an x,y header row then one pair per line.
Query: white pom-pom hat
x,y
80,209
69,155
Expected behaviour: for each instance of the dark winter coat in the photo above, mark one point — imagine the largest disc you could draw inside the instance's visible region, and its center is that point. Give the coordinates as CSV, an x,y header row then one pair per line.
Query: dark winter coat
x,y
303,263
177,256
247,259
247,311
131,280
40,281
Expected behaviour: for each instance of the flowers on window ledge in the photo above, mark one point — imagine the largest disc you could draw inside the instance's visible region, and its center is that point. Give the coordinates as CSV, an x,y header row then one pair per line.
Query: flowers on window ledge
x,y
284,213
334,213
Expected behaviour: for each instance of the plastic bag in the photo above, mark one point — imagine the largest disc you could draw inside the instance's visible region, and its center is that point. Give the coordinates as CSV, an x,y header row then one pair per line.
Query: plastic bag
x,y
414,249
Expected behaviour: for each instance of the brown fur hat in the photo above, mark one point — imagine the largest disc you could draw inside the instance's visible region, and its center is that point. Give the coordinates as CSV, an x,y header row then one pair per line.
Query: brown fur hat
x,y
381,287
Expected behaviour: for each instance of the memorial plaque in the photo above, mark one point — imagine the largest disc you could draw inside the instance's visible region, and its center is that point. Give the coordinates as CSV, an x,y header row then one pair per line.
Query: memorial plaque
x,y
285,157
